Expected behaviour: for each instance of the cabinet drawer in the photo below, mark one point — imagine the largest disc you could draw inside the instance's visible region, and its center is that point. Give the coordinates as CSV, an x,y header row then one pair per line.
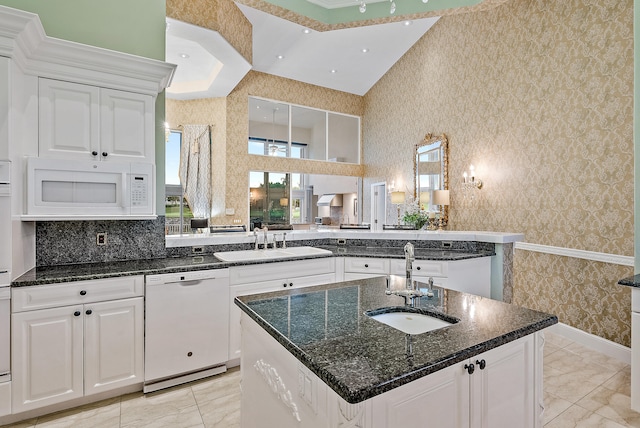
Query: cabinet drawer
x,y
280,270
430,268
366,265
71,293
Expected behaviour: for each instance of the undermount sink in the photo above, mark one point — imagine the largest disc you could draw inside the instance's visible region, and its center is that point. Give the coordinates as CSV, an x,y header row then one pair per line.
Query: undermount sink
x,y
280,253
410,321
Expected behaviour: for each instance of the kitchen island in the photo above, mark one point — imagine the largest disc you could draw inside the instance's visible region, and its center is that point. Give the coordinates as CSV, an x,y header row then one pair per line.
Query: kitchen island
x,y
313,357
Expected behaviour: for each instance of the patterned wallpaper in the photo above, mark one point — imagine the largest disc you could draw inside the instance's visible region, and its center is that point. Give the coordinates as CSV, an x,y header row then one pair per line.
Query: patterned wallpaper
x,y
537,95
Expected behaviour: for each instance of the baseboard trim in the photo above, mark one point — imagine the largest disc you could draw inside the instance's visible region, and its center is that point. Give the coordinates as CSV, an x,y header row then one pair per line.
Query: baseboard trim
x,y
597,343
577,254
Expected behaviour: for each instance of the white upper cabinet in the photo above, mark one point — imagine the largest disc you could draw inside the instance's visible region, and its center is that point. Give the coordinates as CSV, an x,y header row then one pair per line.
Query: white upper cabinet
x,y
78,121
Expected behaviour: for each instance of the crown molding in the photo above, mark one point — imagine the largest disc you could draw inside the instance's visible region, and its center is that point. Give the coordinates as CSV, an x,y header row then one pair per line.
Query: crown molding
x,y
23,39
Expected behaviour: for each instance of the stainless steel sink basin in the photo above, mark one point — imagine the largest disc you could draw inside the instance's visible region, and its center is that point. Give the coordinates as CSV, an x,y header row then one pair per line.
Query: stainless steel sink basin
x,y
410,320
248,255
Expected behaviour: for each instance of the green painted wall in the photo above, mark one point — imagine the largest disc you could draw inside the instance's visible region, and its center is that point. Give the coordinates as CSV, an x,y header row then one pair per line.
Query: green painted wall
x,y
136,27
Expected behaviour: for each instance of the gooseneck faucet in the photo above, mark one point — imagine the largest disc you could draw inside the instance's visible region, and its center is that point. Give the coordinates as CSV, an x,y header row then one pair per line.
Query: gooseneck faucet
x,y
409,256
411,290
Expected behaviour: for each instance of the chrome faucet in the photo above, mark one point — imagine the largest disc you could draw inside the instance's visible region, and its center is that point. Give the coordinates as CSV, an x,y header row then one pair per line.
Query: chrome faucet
x,y
255,235
411,290
409,256
284,240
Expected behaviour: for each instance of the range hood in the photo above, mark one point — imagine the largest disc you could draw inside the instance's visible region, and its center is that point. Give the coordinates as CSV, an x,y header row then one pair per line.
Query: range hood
x,y
330,200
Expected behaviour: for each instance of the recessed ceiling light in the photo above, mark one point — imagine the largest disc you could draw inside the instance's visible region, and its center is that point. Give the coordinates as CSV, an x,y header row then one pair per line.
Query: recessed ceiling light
x,y
306,31
365,50
280,56
183,55
407,23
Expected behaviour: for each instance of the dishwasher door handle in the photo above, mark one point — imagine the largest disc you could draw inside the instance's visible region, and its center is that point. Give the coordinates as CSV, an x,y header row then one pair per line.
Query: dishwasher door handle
x,y
187,282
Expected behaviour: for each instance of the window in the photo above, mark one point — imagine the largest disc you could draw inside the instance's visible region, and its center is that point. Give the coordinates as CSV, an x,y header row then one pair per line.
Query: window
x,y
286,130
269,194
177,212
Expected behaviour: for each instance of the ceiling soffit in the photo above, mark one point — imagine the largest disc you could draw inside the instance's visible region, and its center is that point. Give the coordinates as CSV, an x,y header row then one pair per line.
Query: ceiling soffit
x,y
319,18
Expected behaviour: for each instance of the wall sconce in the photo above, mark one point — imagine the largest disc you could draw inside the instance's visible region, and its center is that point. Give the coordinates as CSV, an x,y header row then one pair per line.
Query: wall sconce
x,y
470,181
441,198
397,198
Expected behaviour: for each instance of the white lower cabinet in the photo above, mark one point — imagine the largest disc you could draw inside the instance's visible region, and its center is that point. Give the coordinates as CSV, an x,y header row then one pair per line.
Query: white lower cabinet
x,y
67,352
492,390
468,276
265,278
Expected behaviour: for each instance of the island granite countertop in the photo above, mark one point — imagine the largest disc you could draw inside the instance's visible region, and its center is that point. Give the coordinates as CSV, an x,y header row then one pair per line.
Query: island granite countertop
x,y
325,327
94,271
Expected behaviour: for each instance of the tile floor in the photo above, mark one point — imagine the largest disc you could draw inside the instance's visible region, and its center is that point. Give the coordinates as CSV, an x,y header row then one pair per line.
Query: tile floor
x,y
583,388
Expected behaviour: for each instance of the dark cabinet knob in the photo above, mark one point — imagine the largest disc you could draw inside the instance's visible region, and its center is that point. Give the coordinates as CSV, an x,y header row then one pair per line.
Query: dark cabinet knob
x,y
366,265
418,268
291,284
482,364
470,368
76,313
189,354
284,285
89,312
83,292
94,153
104,154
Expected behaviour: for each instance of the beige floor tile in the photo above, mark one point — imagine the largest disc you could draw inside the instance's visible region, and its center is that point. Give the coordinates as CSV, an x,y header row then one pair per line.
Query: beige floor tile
x,y
185,417
590,356
578,417
553,406
620,382
223,412
556,340
216,387
568,362
103,414
168,406
568,386
612,405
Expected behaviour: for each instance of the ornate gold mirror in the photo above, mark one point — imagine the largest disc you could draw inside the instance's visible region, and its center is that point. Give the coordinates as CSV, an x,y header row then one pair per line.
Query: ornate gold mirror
x,y
431,173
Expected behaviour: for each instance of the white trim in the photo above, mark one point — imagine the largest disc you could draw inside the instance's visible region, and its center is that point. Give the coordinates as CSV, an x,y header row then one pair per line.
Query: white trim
x,y
597,343
577,254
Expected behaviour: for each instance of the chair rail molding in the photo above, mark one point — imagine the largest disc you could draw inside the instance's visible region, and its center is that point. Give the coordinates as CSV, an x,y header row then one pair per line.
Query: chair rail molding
x,y
577,254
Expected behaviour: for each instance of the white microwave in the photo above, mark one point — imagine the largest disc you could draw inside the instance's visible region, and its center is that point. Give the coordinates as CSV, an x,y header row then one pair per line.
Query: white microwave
x,y
60,189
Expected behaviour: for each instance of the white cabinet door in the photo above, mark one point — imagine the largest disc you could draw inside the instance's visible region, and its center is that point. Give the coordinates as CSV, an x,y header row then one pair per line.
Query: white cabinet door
x,y
502,393
113,344
47,357
127,126
635,352
69,120
438,400
235,341
86,122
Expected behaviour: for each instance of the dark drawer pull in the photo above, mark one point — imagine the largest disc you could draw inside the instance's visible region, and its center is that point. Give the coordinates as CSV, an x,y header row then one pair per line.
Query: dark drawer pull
x,y
89,312
418,268
83,292
76,313
366,265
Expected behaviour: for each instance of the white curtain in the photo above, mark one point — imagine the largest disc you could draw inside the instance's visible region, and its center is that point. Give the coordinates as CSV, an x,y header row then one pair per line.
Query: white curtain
x,y
195,168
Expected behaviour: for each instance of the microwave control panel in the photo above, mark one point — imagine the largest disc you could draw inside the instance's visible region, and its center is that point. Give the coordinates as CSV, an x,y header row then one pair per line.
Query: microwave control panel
x,y
138,190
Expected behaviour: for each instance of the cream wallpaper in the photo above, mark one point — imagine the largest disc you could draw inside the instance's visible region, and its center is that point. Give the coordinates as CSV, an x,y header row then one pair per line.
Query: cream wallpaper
x,y
537,94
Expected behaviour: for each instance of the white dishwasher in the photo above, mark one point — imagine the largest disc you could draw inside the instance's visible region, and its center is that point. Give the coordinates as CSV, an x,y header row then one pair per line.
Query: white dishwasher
x,y
186,327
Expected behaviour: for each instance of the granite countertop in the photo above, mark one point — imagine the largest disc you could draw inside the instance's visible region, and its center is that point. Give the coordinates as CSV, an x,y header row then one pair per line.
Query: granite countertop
x,y
92,271
326,329
631,281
